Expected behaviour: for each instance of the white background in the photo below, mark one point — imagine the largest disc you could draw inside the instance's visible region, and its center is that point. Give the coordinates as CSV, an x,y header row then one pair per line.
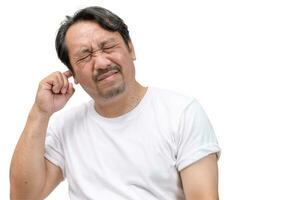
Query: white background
x,y
236,57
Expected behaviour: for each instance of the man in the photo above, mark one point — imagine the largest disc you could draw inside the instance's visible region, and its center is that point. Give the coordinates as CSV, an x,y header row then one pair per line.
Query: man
x,y
130,142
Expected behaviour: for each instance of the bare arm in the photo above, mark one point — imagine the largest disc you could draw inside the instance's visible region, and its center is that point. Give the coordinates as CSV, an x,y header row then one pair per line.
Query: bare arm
x,y
31,175
200,180
54,176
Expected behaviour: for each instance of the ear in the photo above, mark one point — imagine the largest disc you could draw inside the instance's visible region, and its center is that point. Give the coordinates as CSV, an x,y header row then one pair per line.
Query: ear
x,y
74,77
132,50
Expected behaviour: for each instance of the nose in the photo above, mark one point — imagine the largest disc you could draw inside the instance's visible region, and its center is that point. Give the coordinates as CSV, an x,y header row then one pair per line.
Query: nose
x,y
101,61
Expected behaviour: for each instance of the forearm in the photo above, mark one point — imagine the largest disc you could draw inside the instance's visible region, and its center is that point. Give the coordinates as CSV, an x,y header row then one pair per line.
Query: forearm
x,y
28,169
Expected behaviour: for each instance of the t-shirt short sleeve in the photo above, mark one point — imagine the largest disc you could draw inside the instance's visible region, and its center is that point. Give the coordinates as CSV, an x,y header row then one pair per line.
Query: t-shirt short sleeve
x,y
53,149
196,137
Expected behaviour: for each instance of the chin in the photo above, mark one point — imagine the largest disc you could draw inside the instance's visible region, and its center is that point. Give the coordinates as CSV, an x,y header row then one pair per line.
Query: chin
x,y
112,92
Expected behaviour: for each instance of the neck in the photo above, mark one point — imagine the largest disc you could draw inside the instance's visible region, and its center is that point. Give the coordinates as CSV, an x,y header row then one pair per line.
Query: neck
x,y
121,104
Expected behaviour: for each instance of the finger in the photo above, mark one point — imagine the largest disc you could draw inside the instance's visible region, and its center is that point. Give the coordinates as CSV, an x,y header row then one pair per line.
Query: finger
x,y
68,73
58,82
61,80
65,84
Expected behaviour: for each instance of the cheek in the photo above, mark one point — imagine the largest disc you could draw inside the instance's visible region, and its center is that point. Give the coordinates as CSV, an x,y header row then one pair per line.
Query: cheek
x,y
83,74
120,56
129,70
124,60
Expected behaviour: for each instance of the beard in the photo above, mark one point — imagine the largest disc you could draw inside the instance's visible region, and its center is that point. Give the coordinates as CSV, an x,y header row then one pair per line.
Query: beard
x,y
112,91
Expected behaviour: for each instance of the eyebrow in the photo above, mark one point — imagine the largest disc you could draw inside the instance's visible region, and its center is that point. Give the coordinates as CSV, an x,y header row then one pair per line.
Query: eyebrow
x,y
85,49
82,50
110,40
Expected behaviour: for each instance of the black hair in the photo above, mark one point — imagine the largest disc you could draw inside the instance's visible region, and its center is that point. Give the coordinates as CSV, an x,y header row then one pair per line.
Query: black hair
x,y
105,18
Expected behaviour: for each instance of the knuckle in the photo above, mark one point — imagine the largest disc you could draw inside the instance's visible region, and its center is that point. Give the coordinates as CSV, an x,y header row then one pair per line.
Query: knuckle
x,y
55,73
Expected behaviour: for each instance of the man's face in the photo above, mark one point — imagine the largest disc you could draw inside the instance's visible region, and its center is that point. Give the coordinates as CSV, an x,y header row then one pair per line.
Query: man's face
x,y
102,62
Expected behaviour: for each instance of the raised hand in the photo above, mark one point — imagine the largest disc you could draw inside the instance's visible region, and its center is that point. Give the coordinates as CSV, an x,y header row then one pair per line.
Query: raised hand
x,y
53,93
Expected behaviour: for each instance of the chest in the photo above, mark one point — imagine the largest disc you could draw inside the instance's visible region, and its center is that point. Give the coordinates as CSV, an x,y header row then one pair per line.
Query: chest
x,y
135,153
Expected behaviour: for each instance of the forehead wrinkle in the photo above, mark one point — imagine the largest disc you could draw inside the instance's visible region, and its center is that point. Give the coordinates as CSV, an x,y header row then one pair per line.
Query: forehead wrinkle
x,y
86,49
87,40
82,41
100,44
90,35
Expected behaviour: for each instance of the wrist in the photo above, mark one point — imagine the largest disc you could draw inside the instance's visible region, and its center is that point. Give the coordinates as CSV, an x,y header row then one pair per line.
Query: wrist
x,y
37,113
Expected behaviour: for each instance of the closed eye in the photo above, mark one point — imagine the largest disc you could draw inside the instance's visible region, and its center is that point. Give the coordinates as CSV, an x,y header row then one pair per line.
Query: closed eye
x,y
84,58
108,49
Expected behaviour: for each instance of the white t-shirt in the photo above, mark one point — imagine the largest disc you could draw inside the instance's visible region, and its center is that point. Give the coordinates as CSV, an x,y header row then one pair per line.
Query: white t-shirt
x,y
134,156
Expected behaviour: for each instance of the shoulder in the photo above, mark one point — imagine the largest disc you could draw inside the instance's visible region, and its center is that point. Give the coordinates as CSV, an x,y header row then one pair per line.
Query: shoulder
x,y
67,117
171,100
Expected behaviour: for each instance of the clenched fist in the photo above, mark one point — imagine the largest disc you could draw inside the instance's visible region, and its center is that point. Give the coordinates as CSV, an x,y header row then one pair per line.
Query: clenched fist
x,y
53,92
